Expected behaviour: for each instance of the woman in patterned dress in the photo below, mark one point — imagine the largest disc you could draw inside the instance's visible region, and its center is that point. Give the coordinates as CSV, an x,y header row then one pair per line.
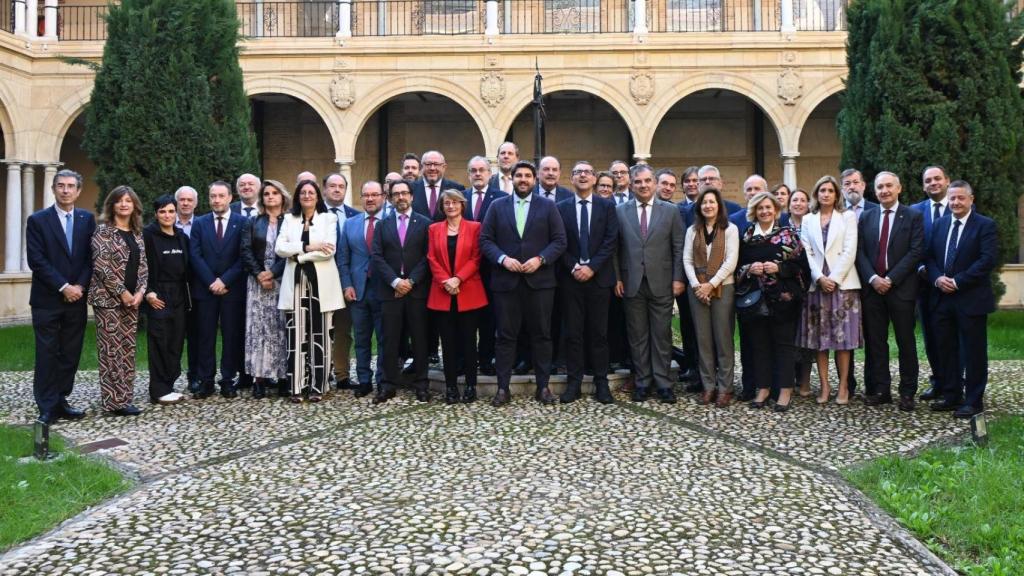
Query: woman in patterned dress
x,y
310,290
120,274
800,206
831,313
266,351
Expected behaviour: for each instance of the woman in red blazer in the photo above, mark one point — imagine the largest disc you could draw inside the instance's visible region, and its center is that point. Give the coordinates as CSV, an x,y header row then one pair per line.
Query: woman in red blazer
x,y
456,292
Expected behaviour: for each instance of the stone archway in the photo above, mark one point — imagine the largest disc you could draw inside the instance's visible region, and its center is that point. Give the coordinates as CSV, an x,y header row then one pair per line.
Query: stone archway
x,y
820,149
291,136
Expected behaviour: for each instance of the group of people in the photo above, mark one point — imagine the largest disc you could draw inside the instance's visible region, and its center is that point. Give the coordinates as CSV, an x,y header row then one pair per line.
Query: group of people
x,y
516,271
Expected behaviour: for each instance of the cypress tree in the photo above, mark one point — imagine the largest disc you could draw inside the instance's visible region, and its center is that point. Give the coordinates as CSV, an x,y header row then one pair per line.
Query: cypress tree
x,y
168,107
938,82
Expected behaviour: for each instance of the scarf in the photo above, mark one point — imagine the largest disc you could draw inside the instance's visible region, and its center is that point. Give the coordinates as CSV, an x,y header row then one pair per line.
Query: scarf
x,y
706,265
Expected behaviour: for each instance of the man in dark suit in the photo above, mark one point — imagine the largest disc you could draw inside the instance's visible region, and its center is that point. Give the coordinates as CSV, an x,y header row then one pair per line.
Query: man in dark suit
x,y
426,190
248,187
522,238
550,172
218,291
58,247
401,279
932,209
890,247
651,274
852,183
620,173
586,273
508,155
961,258
482,192
666,184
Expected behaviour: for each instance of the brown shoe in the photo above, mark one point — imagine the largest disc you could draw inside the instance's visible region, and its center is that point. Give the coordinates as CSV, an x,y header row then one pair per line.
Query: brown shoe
x,y
724,400
706,397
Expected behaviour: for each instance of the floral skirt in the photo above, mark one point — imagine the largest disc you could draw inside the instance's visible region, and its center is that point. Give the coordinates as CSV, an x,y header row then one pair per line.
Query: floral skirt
x,y
830,321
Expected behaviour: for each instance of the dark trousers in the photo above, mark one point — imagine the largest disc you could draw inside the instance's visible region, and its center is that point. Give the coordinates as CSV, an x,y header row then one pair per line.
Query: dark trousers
x,y
747,367
931,347
689,334
406,314
192,335
618,350
879,312
367,320
772,350
962,340
458,344
585,310
165,336
230,316
59,333
517,307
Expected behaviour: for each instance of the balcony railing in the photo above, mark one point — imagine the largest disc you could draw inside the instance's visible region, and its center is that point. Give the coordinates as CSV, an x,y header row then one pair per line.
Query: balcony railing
x,y
321,18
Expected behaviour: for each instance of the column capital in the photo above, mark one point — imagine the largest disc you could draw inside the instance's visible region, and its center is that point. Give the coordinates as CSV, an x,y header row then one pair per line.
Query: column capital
x,y
641,157
790,155
12,163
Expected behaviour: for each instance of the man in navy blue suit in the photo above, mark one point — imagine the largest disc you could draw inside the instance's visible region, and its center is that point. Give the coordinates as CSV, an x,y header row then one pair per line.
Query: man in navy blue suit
x,y
549,173
961,258
933,208
426,190
58,246
483,190
218,291
586,275
522,238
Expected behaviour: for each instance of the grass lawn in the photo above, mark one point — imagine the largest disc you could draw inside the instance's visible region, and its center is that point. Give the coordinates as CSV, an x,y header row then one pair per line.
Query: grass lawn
x,y
35,496
965,503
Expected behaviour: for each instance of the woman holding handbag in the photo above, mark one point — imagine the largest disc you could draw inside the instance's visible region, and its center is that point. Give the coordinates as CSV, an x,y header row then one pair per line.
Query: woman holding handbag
x,y
710,256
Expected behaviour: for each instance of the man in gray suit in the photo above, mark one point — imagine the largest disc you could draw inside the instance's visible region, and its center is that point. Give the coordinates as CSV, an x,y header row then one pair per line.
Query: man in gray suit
x,y
650,267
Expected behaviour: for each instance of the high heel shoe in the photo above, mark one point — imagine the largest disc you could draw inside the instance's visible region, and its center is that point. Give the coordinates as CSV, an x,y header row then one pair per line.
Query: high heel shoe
x,y
782,407
843,401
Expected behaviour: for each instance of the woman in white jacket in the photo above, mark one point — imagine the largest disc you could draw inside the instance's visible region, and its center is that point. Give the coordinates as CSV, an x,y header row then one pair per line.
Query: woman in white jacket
x,y
831,318
310,290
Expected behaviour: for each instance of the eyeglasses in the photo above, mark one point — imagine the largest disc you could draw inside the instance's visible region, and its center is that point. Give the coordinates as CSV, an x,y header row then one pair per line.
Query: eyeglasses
x,y
582,172
620,172
401,193
433,164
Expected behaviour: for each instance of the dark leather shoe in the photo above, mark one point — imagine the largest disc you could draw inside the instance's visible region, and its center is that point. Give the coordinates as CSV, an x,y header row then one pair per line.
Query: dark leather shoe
x,y
689,375
877,400
944,406
422,395
501,398
384,393
782,407
521,368
930,394
67,412
206,390
229,392
571,394
259,389
344,384
639,394
193,387
284,388
602,393
545,397
724,400
694,387
363,390
129,410
47,418
967,411
907,404
451,395
469,394
666,396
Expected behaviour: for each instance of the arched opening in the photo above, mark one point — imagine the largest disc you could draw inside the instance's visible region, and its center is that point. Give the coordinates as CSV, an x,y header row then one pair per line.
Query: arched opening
x,y
73,157
290,137
720,127
3,183
579,126
820,150
415,122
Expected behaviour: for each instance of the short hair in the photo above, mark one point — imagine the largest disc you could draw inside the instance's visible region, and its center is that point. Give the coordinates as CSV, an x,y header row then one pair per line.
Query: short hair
x,y
239,179
708,168
636,169
550,157
220,183
286,199
177,193
164,200
514,146
826,179
362,189
66,173
410,156
961,184
757,199
722,219
587,162
391,188
664,171
338,174
454,194
115,195
937,167
850,172
775,189
886,173
603,174
690,170
525,164
438,152
614,162
478,158
321,206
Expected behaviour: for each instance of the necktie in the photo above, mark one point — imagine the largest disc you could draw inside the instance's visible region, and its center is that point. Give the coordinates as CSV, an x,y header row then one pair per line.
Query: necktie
x,y
479,204
369,233
335,210
220,228
248,211
506,184
520,216
857,210
881,260
619,198
69,229
951,249
433,199
549,195
584,232
401,228
936,212
643,221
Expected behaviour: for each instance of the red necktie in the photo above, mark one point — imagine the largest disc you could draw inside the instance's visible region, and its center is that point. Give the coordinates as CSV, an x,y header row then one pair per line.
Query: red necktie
x,y
883,246
220,228
479,203
433,199
643,221
369,234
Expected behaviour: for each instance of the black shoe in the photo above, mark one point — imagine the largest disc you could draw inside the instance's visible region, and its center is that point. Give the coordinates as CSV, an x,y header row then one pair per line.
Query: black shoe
x,y
228,391
469,394
666,396
422,395
284,388
501,398
129,410
639,394
877,399
521,368
930,394
244,381
67,412
571,394
544,396
689,375
451,395
259,389
363,390
967,411
384,393
945,405
694,387
602,393
907,404
47,418
487,369
206,389
344,384
782,407
193,386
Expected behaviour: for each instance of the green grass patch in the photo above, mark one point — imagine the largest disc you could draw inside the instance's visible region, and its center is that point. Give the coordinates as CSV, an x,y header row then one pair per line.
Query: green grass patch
x,y
36,496
966,503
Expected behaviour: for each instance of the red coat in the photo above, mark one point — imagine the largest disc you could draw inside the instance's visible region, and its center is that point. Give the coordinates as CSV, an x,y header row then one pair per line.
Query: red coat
x,y
467,267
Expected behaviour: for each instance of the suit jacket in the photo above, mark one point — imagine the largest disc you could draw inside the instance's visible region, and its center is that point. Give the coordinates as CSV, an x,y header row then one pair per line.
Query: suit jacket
x,y
905,249
543,235
421,203
109,266
495,183
490,195
324,228
51,263
561,193
353,256
210,259
659,257
976,254
686,210
925,208
254,245
467,267
604,234
392,260
868,205
236,207
839,250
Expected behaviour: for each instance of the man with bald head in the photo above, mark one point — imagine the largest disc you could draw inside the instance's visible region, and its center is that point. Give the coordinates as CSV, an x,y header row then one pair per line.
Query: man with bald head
x,y
427,189
247,186
548,173
304,175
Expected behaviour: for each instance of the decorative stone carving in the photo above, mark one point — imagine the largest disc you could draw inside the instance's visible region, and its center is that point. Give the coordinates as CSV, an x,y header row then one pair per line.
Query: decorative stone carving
x,y
641,87
493,61
492,88
791,86
343,91
789,57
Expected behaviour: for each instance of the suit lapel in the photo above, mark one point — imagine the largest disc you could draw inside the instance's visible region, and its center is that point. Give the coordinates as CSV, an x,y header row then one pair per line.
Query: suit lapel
x,y
631,218
57,228
653,216
897,223
510,215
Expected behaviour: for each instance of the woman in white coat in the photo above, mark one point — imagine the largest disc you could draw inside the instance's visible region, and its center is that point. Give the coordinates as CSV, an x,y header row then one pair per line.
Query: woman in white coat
x,y
831,319
310,290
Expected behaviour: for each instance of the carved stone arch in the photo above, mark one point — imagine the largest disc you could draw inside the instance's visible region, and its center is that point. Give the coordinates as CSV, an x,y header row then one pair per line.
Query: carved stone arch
x,y
821,92
305,93
56,124
7,123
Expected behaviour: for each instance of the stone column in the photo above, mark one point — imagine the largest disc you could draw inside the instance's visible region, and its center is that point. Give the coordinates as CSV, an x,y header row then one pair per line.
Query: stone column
x,y
491,28
32,19
641,157
345,169
789,169
12,221
28,200
50,17
640,18
19,17
49,173
787,17
344,19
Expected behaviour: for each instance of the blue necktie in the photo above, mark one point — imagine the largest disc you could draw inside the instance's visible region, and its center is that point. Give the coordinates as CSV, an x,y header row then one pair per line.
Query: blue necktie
x,y
69,230
936,212
584,232
951,249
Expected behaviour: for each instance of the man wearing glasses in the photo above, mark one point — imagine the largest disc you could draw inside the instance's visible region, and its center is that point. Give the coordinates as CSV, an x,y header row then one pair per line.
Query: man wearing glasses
x,y
427,189
620,172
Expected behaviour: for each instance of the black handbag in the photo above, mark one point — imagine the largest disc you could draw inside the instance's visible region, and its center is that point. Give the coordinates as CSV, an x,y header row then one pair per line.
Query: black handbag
x,y
751,302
